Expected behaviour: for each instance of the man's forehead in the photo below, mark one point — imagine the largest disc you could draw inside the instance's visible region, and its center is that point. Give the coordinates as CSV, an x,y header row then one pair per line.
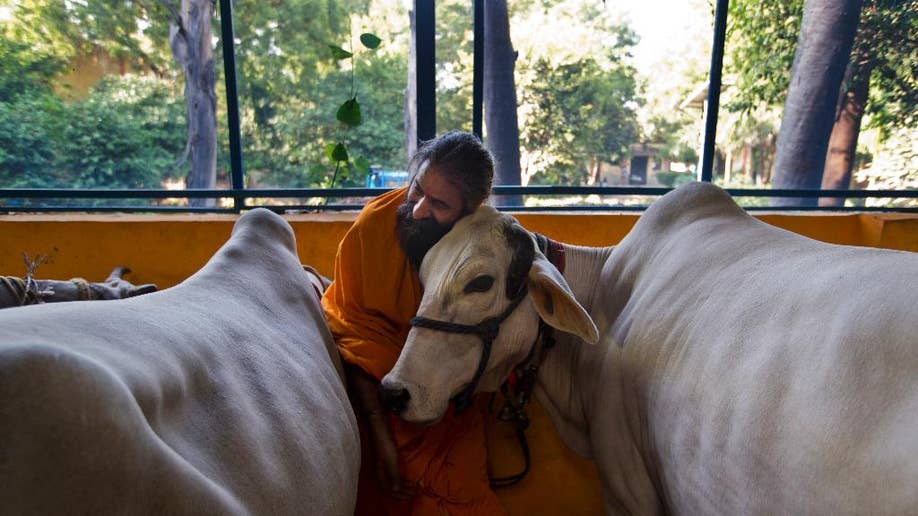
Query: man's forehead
x,y
434,183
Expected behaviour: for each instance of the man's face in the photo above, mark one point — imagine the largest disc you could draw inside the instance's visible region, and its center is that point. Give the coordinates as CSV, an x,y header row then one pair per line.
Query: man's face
x,y
432,206
434,196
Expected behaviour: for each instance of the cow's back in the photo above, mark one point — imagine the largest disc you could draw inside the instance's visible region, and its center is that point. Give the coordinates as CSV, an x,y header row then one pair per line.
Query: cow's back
x,y
773,373
222,394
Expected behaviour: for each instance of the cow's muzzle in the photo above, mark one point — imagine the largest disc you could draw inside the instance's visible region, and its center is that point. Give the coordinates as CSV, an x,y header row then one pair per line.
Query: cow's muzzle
x,y
394,398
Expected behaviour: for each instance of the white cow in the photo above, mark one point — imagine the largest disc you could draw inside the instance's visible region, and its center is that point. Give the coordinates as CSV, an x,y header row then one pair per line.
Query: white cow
x,y
222,395
740,368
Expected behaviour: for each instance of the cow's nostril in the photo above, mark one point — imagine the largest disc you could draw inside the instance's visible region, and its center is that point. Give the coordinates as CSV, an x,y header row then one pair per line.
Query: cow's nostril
x,y
394,399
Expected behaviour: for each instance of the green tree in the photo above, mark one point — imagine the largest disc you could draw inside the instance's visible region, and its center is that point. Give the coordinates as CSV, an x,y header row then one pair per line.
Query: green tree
x,y
879,80
823,49
28,113
26,71
123,135
454,65
579,115
291,86
578,92
27,143
884,53
137,32
669,133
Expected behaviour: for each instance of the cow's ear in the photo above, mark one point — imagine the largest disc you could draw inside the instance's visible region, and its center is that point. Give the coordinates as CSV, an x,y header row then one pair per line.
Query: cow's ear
x,y
555,302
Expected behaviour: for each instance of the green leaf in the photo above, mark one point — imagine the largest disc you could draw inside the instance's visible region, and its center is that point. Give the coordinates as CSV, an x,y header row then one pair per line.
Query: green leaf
x,y
349,113
339,53
339,153
329,151
370,41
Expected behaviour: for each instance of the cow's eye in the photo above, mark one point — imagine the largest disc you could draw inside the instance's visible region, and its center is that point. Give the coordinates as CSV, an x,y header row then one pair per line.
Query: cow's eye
x,y
480,284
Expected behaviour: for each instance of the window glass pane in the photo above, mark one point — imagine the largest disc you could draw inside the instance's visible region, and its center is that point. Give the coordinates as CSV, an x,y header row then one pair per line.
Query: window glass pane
x,y
863,132
91,97
454,51
604,93
311,80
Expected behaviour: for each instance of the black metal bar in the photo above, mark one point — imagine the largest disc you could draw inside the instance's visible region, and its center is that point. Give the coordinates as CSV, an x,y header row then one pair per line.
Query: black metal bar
x,y
478,67
425,45
713,104
39,193
232,100
884,209
860,194
305,208
47,193
614,208
248,193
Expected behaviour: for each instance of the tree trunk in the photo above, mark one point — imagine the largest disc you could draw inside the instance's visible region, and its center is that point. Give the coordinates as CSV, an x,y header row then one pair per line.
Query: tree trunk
x,y
503,134
411,92
768,148
190,41
595,167
845,132
823,51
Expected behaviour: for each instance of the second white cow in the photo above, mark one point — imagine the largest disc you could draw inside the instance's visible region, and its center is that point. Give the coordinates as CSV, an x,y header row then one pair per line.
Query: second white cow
x,y
712,364
221,395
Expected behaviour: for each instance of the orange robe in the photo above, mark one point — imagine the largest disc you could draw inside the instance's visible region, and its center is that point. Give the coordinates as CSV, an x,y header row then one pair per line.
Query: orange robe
x,y
375,293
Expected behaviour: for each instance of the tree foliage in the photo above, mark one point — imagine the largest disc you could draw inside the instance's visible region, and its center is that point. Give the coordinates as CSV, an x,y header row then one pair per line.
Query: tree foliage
x,y
133,30
577,113
763,37
761,40
26,71
300,90
579,94
888,38
123,135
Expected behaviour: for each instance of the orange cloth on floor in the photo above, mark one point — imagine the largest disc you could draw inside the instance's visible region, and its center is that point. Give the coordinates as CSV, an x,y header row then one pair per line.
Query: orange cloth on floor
x,y
374,295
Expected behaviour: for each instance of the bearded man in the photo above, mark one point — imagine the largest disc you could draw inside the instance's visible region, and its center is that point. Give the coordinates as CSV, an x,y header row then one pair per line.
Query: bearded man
x,y
408,468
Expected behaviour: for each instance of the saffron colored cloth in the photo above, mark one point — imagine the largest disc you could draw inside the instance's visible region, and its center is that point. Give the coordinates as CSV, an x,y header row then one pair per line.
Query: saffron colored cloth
x,y
368,306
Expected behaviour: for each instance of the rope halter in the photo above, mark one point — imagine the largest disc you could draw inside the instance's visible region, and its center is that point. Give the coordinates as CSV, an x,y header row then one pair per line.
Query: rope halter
x,y
487,330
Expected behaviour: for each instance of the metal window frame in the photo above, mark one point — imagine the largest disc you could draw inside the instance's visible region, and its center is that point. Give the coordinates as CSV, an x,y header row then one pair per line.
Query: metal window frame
x,y
426,123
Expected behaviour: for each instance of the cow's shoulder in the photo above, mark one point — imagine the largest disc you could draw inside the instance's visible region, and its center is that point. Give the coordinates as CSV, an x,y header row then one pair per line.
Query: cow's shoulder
x,y
261,248
696,217
263,227
690,203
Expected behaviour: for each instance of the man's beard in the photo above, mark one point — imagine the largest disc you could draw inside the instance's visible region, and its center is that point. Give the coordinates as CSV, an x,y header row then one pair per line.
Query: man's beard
x,y
416,236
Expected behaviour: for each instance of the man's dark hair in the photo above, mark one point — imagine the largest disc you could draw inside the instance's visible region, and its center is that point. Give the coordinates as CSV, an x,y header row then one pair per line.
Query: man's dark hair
x,y
463,159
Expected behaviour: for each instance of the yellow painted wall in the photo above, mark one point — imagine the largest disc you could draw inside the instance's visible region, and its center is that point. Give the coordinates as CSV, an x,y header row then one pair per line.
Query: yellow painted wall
x,y
165,249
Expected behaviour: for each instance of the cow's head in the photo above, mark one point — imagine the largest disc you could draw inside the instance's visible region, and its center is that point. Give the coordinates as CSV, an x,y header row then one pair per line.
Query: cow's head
x,y
476,272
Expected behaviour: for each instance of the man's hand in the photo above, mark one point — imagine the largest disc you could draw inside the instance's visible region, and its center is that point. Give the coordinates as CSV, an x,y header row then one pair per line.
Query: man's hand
x,y
387,460
366,389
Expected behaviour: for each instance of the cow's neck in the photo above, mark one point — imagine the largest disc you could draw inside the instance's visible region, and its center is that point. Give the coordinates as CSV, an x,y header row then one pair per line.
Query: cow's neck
x,y
567,371
578,398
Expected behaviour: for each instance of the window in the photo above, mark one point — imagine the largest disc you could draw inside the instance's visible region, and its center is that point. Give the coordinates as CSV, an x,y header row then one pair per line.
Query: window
x,y
90,98
609,101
